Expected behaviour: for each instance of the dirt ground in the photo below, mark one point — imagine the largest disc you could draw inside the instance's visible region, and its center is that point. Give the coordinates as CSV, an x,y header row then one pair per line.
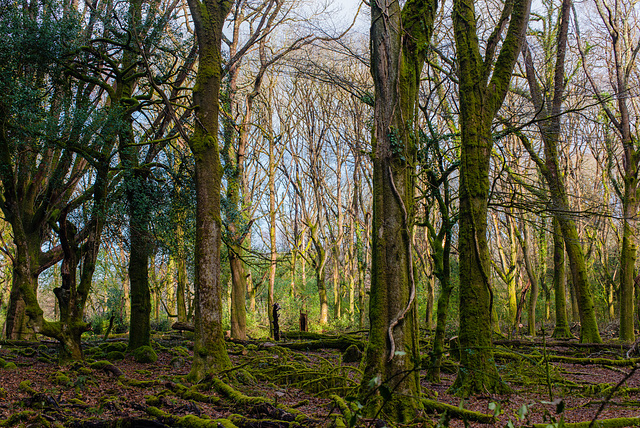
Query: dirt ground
x,y
293,387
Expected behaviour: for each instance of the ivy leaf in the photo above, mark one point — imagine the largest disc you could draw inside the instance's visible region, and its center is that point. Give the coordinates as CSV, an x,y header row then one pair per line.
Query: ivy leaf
x,y
374,382
522,412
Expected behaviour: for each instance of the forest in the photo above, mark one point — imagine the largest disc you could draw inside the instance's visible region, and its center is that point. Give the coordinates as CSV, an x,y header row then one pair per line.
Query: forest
x,y
306,213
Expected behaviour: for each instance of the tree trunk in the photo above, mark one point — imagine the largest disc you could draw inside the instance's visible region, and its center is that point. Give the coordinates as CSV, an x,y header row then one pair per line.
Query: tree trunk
x,y
181,289
482,87
209,349
238,293
561,329
398,51
273,250
550,113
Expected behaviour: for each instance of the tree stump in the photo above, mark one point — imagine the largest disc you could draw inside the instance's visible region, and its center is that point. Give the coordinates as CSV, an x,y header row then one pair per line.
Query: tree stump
x,y
304,325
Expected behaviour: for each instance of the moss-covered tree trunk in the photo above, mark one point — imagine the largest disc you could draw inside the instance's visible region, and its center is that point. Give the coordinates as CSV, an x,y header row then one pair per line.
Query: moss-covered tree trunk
x,y
235,218
181,278
561,330
399,40
622,66
319,262
549,108
483,84
24,275
443,273
209,349
140,294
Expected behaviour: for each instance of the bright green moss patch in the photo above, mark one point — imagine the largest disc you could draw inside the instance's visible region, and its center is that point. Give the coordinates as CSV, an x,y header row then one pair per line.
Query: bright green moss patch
x,y
145,354
115,355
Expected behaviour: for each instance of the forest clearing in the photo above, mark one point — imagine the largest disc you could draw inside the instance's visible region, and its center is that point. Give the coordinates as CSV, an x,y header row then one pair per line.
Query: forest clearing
x,y
306,380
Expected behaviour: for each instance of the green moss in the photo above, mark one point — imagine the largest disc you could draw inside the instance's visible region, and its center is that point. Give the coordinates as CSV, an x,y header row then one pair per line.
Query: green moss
x,y
3,363
177,362
244,377
352,354
3,393
141,383
600,423
191,421
94,350
114,346
16,418
152,400
181,351
10,366
115,355
77,402
25,386
84,371
99,365
145,354
60,378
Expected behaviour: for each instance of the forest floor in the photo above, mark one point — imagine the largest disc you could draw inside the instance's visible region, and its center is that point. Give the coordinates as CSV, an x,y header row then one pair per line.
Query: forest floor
x,y
291,384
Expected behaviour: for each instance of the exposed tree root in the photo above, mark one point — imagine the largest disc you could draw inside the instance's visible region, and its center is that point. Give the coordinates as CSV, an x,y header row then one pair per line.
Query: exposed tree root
x,y
189,421
118,423
600,423
599,361
431,407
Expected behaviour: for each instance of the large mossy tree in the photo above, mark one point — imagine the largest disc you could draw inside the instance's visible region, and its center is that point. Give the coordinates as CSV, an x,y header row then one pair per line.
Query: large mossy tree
x,y
483,85
210,353
399,43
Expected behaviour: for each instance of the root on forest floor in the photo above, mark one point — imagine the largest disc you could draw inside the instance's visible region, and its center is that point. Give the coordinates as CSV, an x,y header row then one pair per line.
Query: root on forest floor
x,y
600,423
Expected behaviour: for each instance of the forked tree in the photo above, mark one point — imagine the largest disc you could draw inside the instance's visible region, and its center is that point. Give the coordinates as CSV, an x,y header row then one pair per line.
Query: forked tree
x,y
483,85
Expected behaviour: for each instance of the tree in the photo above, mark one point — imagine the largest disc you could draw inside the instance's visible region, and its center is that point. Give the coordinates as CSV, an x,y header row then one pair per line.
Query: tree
x,y
399,42
620,25
209,349
549,117
483,85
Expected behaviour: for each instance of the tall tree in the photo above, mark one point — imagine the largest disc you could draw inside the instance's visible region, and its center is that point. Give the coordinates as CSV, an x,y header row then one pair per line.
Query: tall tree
x,y
399,43
549,108
620,23
483,84
209,350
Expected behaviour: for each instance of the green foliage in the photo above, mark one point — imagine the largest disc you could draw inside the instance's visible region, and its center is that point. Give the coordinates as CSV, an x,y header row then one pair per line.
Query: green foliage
x,y
161,325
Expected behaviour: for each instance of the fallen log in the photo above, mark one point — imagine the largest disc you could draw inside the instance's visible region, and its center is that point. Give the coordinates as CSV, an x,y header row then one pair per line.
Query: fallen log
x,y
432,406
590,361
569,343
600,423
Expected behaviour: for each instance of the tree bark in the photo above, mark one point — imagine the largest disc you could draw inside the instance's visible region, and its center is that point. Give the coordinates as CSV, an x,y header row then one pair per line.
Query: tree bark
x,y
209,349
399,39
561,330
549,127
483,84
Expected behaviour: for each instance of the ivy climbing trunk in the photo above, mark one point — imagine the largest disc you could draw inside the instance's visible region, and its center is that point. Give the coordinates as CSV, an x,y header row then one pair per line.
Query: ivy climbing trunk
x,y
483,84
210,353
139,206
399,41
